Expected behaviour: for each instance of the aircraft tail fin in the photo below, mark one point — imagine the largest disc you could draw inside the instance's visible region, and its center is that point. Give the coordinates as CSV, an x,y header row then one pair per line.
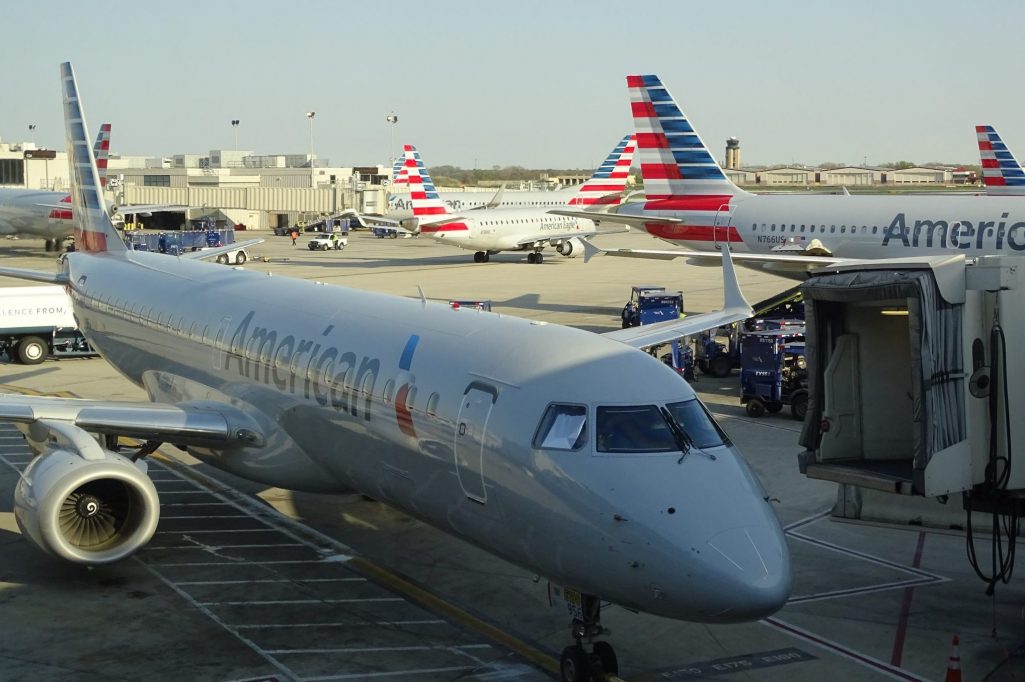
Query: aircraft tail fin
x,y
674,161
101,151
608,183
93,230
1001,172
422,195
399,174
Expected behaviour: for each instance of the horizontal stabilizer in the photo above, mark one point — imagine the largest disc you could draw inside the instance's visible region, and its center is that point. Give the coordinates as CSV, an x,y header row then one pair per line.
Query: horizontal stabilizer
x,y
618,218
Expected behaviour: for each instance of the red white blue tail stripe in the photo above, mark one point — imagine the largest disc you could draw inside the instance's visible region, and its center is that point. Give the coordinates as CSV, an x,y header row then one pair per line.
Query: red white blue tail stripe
x,y
1001,172
93,229
681,177
427,205
101,151
608,183
399,174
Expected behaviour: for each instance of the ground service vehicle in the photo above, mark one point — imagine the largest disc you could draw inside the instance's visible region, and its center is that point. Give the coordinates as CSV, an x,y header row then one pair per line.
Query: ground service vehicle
x,y
650,304
36,322
773,371
324,242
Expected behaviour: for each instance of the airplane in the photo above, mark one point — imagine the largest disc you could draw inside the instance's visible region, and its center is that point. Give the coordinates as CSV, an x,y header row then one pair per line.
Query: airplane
x,y
400,205
690,202
598,468
489,231
44,213
1001,172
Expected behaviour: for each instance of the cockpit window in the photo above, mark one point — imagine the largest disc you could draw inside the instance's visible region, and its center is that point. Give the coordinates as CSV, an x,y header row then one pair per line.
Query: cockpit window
x,y
563,427
633,428
698,424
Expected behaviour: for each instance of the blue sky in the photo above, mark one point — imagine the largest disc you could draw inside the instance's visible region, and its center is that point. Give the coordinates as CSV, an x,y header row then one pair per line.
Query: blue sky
x,y
529,83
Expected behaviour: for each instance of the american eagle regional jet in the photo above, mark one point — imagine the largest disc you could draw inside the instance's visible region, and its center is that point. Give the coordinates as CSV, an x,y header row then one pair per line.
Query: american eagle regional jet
x,y
596,467
690,202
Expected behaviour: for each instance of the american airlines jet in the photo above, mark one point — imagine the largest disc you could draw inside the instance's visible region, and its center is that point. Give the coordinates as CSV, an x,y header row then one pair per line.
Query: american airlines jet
x,y
1001,172
47,214
490,231
571,454
690,202
400,205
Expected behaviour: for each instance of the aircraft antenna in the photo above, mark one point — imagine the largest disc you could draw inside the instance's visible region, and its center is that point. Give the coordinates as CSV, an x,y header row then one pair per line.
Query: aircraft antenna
x,y
423,296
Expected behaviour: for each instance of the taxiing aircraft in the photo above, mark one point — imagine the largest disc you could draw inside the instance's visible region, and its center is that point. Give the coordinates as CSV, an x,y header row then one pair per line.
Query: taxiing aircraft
x,y
690,202
400,205
47,214
1001,172
596,466
490,231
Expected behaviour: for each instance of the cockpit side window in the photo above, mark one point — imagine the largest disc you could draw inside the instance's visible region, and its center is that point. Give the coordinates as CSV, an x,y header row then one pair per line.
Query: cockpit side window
x,y
633,428
563,427
698,424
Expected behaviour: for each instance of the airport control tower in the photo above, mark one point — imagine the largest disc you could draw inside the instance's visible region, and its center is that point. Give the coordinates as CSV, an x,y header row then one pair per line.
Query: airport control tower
x,y
732,153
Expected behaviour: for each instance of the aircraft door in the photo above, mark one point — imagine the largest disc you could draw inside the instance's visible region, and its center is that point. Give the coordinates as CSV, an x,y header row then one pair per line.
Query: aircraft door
x,y
721,226
470,437
842,402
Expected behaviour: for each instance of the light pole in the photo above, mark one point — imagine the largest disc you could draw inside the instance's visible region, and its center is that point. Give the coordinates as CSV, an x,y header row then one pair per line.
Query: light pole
x,y
310,115
234,126
32,130
393,119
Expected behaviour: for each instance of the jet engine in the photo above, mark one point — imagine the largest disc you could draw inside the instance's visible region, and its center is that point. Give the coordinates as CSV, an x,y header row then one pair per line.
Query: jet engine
x,y
571,248
94,509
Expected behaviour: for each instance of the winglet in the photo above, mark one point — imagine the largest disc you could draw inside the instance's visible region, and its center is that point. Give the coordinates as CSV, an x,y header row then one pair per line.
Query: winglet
x,y
733,297
590,250
93,230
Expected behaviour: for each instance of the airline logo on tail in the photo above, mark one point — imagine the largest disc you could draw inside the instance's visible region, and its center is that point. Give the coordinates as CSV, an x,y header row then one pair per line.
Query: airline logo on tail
x,y
608,183
427,204
102,153
1000,170
680,175
399,174
93,229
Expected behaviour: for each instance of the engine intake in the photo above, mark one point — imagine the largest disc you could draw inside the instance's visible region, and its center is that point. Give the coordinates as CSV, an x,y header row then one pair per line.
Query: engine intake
x,y
87,511
571,248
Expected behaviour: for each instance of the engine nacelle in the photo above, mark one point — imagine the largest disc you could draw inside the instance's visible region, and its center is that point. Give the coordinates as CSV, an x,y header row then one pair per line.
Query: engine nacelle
x,y
571,248
87,511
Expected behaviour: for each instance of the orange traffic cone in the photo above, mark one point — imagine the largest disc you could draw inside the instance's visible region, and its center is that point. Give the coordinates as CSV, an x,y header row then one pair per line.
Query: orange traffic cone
x,y
954,665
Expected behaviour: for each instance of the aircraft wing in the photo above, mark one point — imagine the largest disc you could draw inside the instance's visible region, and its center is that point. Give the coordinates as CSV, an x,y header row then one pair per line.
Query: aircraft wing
x,y
735,308
791,265
34,275
206,423
617,218
214,251
135,209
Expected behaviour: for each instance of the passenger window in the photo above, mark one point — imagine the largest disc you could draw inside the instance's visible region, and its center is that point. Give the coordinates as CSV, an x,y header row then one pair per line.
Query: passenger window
x,y
634,428
563,427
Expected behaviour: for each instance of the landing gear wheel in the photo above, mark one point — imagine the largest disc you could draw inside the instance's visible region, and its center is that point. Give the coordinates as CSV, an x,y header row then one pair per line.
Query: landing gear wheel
x,y
799,405
478,256
755,408
575,664
605,656
531,257
240,258
720,367
539,258
31,350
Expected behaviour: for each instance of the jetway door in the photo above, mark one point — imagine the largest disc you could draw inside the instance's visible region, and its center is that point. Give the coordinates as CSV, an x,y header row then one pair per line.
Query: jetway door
x,y
471,436
842,402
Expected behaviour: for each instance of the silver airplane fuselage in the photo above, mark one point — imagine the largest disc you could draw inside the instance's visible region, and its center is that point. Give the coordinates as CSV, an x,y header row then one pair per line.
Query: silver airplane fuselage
x,y
441,423
855,227
35,212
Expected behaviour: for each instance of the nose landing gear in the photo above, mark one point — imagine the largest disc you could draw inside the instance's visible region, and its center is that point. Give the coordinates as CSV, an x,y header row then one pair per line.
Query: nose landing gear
x,y
576,664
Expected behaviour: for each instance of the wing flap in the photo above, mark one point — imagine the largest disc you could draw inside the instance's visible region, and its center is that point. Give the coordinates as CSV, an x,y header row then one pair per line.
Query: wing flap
x,y
185,423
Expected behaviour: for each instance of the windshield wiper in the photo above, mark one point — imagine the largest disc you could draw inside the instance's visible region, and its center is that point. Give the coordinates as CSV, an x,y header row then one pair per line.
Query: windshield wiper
x,y
683,441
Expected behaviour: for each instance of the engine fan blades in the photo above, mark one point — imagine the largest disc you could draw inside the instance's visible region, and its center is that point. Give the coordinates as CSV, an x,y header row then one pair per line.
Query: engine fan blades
x,y
93,514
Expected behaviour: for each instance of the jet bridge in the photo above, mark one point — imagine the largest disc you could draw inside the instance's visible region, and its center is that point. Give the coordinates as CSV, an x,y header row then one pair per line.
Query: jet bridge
x,y
912,389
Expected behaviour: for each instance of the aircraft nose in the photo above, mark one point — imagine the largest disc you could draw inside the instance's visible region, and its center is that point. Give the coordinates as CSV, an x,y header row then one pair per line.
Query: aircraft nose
x,y
755,565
